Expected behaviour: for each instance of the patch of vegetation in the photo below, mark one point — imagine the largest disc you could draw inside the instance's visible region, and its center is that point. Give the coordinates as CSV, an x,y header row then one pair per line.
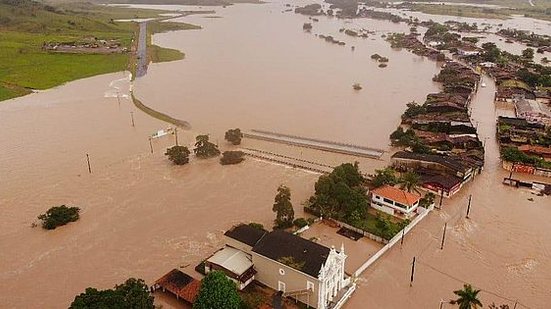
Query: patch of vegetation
x,y
300,223
257,226
58,216
232,157
217,291
133,293
233,136
386,176
161,116
25,25
291,262
341,194
512,154
179,155
283,208
205,149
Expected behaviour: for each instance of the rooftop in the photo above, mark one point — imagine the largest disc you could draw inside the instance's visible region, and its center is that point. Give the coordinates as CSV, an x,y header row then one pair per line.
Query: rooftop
x,y
236,261
397,195
246,234
180,284
452,163
280,244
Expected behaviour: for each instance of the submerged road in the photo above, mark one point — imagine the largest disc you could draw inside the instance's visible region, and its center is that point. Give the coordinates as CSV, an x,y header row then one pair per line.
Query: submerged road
x,y
141,52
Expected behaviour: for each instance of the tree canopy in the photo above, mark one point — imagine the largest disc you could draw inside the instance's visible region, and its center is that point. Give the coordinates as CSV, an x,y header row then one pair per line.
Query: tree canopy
x,y
234,136
217,291
386,176
132,294
341,194
467,298
58,216
283,207
232,157
409,181
179,155
204,148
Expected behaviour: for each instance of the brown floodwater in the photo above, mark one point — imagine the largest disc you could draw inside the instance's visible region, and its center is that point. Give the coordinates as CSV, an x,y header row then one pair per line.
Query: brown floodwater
x,y
252,68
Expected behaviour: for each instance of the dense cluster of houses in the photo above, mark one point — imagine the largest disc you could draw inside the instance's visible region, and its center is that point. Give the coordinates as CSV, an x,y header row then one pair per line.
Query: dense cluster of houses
x,y
452,153
88,45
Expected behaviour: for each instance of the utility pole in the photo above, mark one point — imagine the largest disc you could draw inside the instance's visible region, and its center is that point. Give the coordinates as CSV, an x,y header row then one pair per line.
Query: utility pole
x,y
176,135
441,197
132,117
89,167
402,239
443,236
412,272
150,145
469,206
512,168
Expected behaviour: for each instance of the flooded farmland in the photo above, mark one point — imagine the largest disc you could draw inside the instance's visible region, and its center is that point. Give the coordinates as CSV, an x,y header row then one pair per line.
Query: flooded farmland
x,y
253,68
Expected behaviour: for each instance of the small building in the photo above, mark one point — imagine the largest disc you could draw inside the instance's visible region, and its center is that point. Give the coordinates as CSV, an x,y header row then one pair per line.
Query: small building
x,y
395,201
533,111
234,263
441,185
540,151
180,285
468,51
451,165
304,270
487,64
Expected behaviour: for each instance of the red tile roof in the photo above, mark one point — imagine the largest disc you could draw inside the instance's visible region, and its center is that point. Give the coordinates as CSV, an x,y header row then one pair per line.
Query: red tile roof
x,y
539,150
180,284
397,195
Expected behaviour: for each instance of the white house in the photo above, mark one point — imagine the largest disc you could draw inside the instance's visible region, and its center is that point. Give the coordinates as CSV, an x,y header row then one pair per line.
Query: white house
x,y
304,270
395,201
468,51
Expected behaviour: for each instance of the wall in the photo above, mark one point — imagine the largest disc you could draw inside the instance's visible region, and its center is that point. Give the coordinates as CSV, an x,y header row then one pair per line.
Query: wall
x,y
268,274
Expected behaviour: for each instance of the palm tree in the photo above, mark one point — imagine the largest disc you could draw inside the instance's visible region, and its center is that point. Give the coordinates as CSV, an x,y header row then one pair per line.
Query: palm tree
x,y
467,298
409,181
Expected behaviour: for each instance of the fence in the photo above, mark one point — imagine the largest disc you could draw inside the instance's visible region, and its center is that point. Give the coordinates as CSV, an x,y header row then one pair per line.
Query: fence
x,y
526,169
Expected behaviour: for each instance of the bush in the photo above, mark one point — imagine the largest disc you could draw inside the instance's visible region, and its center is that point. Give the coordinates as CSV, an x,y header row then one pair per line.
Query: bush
x,y
179,155
58,216
133,293
234,136
257,226
232,157
300,222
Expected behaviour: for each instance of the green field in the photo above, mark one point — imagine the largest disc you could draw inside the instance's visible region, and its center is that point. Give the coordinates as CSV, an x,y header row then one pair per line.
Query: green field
x,y
26,25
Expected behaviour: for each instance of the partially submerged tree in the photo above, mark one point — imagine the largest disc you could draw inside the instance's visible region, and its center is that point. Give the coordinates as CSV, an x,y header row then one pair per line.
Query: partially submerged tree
x,y
179,155
467,298
283,207
58,216
217,291
232,157
234,136
204,148
132,294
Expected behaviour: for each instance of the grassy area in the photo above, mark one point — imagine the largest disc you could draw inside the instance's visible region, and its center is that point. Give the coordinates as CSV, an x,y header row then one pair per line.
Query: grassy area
x,y
540,10
161,54
25,26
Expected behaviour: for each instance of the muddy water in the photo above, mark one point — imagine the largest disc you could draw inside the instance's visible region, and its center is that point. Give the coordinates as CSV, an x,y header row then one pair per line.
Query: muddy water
x,y
252,68
256,68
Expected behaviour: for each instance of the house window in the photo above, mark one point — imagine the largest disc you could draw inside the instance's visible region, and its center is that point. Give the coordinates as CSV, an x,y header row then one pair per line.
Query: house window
x,y
310,285
387,201
282,271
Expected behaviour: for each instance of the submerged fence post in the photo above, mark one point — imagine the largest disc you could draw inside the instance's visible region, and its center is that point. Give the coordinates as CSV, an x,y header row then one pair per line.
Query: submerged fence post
x,y
89,167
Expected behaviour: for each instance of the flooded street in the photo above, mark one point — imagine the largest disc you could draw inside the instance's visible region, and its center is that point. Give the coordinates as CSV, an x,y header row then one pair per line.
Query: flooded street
x,y
253,68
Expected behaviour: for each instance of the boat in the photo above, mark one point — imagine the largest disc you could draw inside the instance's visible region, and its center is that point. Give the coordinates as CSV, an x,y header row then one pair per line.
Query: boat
x,y
483,85
162,133
357,86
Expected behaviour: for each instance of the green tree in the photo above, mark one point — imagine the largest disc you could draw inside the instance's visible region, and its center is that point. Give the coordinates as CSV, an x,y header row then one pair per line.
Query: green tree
x,y
179,155
386,176
427,200
283,207
204,148
467,298
232,157
409,181
132,294
528,54
217,291
58,216
234,136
